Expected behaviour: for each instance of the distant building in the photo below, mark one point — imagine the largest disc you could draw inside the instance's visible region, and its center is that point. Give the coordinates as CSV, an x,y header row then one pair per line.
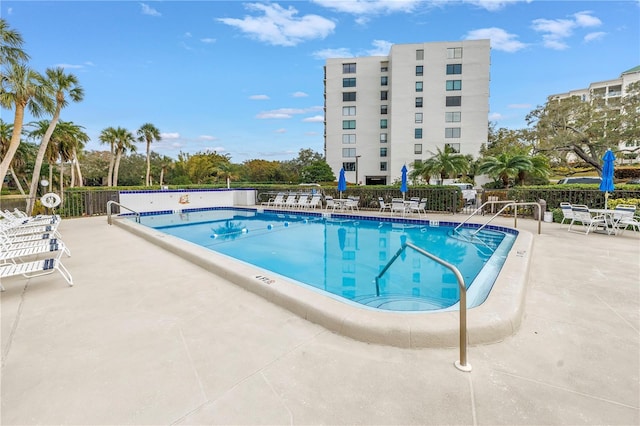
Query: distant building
x,y
383,112
608,92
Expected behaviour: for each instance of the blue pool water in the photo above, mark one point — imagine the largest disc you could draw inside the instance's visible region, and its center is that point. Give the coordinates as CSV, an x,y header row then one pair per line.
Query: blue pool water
x,y
342,255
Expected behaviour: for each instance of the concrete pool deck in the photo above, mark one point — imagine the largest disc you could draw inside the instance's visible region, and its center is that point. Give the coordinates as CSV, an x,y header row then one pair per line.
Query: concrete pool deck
x,y
146,337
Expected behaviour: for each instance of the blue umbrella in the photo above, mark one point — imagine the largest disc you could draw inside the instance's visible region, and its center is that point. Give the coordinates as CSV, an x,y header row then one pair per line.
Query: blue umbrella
x,y
403,185
342,182
606,185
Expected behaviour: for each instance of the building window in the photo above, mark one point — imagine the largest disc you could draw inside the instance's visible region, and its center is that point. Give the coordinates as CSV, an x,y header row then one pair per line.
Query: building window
x,y
383,123
417,148
383,152
348,96
383,166
384,95
452,132
454,68
419,55
350,110
349,138
349,124
455,147
419,102
349,166
454,84
383,109
418,117
384,66
418,86
417,133
383,138
419,70
349,82
384,80
452,117
454,101
349,68
454,53
348,152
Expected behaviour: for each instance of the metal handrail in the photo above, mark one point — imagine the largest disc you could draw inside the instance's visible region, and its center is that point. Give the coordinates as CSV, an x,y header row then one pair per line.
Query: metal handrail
x,y
461,364
508,204
111,203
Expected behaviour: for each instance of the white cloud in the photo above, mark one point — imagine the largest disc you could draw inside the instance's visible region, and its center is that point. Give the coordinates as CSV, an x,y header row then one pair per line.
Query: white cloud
x,y
280,131
594,36
173,135
148,10
500,39
314,119
555,31
495,116
519,106
299,95
259,97
493,5
208,40
207,138
342,52
216,148
286,112
370,7
70,66
279,26
380,48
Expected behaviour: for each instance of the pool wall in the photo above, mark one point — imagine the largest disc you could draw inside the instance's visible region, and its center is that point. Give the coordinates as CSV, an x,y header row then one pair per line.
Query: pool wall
x,y
496,319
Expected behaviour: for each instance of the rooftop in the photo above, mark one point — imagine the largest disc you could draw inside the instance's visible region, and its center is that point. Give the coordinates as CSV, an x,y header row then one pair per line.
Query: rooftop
x,y
146,337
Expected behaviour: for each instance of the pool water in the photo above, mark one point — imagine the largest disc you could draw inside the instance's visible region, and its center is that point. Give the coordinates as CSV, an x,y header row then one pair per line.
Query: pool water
x,y
342,255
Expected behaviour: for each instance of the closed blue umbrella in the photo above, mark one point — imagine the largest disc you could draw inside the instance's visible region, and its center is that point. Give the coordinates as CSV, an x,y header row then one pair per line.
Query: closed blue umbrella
x,y
606,185
403,185
342,182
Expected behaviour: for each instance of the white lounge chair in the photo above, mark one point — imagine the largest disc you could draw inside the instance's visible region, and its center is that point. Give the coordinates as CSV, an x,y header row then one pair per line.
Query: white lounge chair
x,y
277,200
418,207
34,268
383,206
582,215
624,217
290,202
331,204
314,202
302,201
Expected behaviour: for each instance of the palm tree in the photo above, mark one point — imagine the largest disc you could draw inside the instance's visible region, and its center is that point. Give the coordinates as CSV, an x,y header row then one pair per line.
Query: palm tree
x,y
148,133
444,164
6,130
22,89
108,136
11,45
124,142
505,166
63,87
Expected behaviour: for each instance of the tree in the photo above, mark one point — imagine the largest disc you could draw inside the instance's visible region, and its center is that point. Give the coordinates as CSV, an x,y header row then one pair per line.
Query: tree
x,y
124,141
505,166
11,45
21,89
63,87
109,136
148,133
317,171
444,163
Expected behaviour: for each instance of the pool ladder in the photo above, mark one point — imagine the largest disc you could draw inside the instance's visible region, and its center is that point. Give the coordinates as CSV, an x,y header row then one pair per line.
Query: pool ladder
x,y
507,204
109,212
462,363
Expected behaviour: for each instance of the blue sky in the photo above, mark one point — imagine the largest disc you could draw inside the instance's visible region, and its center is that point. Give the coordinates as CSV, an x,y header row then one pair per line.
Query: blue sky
x,y
245,78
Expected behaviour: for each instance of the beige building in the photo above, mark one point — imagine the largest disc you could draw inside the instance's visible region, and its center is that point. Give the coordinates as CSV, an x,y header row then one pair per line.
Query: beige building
x,y
383,112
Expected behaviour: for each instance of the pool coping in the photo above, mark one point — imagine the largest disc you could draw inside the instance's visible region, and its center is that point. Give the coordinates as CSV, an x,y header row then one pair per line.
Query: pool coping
x,y
494,320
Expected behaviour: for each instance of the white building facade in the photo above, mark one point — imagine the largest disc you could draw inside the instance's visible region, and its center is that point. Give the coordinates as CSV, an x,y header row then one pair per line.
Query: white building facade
x,y
383,112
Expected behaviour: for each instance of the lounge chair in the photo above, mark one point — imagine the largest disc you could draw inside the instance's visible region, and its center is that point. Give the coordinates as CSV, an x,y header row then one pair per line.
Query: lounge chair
x,y
567,212
277,200
331,204
34,268
582,215
418,207
624,217
314,202
353,203
290,202
302,201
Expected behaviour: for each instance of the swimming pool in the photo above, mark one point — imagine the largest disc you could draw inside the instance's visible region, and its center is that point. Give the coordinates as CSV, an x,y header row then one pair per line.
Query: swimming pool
x,y
341,255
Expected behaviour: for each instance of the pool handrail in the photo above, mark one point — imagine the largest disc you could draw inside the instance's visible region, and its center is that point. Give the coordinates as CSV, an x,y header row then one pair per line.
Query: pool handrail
x,y
508,203
111,203
461,364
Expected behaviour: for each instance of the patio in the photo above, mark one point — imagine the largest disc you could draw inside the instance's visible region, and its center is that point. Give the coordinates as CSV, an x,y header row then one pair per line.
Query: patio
x,y
145,337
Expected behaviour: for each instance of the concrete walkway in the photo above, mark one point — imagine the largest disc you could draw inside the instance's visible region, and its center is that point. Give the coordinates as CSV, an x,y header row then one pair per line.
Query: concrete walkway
x,y
144,337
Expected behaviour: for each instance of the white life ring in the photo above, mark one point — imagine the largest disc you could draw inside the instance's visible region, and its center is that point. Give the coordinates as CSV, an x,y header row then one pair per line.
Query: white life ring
x,y
50,200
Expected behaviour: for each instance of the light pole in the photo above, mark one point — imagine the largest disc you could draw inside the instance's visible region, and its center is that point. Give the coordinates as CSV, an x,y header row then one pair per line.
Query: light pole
x,y
357,156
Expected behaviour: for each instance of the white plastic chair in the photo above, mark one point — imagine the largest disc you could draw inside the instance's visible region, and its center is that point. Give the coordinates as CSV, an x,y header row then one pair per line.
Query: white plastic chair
x,y
582,215
383,206
567,212
397,206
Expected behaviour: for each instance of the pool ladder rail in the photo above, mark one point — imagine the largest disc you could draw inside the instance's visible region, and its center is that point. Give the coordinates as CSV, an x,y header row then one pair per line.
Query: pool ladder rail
x,y
507,204
109,212
462,363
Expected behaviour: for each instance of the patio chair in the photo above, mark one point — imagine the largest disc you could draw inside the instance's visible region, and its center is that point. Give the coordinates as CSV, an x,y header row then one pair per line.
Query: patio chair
x,y
277,200
418,207
355,200
34,268
302,201
398,206
290,202
314,202
331,204
624,217
8,245
12,230
567,212
383,206
582,215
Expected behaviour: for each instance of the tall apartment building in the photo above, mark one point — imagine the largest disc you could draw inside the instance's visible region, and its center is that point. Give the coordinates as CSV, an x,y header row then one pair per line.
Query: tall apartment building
x,y
383,112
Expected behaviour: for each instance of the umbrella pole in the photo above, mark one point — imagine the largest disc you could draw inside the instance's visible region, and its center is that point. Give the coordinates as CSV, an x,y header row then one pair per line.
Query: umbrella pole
x,y
606,200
